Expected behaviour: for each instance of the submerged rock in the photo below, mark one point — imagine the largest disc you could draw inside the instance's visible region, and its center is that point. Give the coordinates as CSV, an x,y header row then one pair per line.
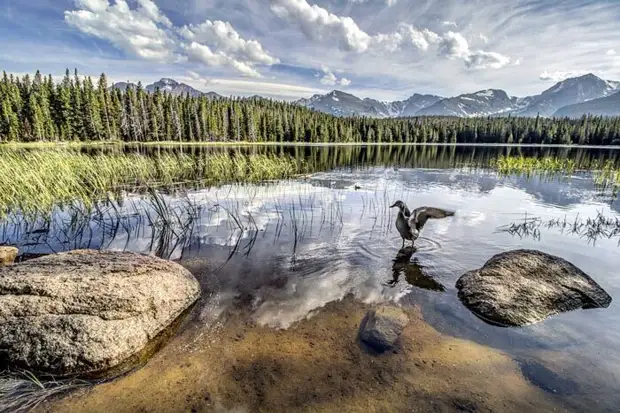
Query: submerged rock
x,y
90,313
524,287
8,255
382,327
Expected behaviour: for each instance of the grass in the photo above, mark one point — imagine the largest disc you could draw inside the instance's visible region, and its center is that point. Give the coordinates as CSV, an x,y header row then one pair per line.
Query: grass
x,y
606,175
591,229
22,391
33,182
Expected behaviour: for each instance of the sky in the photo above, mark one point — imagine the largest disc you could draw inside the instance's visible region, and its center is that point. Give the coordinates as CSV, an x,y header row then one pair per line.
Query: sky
x,y
288,49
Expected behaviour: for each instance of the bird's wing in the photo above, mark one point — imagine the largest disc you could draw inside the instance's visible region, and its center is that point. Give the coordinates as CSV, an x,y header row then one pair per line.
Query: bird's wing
x,y
421,215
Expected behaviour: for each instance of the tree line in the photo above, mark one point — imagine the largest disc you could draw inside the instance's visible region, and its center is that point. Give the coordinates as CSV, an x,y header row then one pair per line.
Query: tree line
x,y
36,109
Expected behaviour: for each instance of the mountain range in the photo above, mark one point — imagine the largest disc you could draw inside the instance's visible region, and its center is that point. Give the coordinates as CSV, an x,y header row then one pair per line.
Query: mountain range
x,y
170,86
573,97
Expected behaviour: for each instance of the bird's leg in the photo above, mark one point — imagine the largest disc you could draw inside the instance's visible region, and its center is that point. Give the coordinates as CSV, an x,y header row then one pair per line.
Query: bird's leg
x,y
403,246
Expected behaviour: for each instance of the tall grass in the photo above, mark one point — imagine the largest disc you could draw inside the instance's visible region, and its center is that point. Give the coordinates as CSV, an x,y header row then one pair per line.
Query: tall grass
x,y
33,182
605,174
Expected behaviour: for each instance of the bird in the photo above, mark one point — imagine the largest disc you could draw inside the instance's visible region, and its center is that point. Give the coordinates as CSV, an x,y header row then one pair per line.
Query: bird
x,y
409,224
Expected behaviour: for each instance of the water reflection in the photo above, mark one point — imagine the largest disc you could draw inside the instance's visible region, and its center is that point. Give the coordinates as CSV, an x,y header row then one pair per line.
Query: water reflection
x,y
412,272
278,253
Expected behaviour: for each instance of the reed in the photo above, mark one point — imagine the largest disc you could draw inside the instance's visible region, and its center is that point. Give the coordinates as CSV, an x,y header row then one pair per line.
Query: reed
x,y
33,182
606,175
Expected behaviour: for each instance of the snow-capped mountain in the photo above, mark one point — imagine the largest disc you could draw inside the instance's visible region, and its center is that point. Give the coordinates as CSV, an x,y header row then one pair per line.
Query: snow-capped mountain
x,y
568,92
339,103
169,86
606,106
173,88
123,85
482,103
490,102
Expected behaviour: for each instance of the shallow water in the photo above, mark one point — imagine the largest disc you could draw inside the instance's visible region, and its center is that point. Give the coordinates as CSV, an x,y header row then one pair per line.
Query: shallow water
x,y
278,255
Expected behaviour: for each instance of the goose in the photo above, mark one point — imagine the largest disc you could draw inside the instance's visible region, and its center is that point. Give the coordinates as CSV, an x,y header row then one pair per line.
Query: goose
x,y
409,224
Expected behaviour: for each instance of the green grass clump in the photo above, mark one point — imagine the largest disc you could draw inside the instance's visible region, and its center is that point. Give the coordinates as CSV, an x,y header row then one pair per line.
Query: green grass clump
x,y
606,175
530,165
33,182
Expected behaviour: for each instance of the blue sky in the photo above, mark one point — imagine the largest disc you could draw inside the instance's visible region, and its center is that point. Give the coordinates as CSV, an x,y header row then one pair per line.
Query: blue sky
x,y
385,49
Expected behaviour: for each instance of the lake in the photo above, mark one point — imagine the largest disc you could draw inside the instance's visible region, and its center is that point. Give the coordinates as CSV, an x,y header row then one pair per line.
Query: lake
x,y
289,267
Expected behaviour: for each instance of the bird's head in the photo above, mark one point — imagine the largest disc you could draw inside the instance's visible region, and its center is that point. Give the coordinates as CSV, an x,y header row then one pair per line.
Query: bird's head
x,y
399,204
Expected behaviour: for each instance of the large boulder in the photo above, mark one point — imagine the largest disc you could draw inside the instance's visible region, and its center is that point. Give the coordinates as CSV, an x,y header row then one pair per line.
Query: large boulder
x,y
524,287
382,327
7,255
90,313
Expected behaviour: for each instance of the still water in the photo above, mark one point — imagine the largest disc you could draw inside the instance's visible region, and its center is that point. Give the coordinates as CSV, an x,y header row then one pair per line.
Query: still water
x,y
279,253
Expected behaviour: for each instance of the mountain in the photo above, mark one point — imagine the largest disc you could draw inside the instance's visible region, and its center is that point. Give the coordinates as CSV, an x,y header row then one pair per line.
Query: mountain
x,y
173,87
339,103
568,92
169,86
123,85
490,102
418,102
482,103
607,106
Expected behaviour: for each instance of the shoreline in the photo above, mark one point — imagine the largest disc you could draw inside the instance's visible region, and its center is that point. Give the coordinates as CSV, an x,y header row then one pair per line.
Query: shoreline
x,y
54,145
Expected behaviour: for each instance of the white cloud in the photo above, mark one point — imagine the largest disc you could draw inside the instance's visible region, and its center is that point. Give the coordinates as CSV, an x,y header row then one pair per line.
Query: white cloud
x,y
145,32
241,87
455,46
330,79
150,9
484,38
449,23
559,75
611,52
224,37
197,52
319,24
134,31
487,60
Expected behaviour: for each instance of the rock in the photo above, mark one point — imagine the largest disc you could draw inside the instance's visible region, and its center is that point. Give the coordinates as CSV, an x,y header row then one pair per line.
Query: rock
x,y
522,287
382,327
90,313
8,255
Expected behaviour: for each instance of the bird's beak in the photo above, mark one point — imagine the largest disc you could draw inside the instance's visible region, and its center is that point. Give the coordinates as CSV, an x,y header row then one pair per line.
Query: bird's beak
x,y
393,206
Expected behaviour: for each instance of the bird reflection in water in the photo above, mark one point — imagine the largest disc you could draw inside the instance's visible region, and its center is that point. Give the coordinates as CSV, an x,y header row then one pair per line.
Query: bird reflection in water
x,y
412,271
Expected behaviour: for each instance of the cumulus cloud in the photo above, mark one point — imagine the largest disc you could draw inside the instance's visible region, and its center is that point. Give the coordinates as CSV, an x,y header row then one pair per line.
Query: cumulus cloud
x,y
454,46
449,23
319,24
559,75
611,52
224,37
147,33
134,31
330,79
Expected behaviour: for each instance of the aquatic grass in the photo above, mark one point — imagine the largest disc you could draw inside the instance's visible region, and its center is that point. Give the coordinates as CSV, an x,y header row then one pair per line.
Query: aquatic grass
x,y
606,175
22,391
34,182
591,229
533,165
